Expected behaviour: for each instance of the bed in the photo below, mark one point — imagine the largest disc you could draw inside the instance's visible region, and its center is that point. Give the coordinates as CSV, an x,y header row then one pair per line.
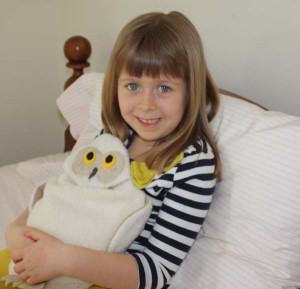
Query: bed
x,y
251,237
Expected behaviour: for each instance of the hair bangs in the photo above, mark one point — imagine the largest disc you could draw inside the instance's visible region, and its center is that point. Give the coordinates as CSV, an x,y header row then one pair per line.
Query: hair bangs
x,y
152,55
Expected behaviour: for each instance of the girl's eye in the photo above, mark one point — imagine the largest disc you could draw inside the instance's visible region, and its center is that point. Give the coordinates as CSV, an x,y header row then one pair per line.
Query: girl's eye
x,y
164,88
132,86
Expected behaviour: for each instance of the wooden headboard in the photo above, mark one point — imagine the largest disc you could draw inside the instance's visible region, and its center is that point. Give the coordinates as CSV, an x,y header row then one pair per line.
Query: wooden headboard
x,y
77,50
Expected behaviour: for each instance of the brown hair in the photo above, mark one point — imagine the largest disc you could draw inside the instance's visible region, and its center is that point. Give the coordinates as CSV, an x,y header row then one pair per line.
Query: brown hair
x,y
169,44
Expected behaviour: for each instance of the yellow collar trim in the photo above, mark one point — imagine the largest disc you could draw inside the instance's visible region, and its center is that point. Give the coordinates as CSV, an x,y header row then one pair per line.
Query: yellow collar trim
x,y
142,176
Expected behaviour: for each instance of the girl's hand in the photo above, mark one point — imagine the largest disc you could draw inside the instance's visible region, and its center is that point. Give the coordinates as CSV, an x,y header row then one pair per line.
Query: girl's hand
x,y
16,238
15,233
41,260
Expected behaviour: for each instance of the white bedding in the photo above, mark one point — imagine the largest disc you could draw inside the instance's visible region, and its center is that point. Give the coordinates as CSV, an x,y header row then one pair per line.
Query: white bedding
x,y
12,183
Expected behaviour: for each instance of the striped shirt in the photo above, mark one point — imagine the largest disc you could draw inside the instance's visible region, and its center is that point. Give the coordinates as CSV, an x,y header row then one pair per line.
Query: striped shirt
x,y
181,198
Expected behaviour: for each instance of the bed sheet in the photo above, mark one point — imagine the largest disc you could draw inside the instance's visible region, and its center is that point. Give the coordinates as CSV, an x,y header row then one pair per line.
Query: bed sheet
x,y
15,192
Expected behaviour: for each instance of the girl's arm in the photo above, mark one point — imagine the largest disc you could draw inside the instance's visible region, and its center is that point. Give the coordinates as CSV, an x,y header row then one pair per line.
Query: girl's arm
x,y
110,270
48,258
164,244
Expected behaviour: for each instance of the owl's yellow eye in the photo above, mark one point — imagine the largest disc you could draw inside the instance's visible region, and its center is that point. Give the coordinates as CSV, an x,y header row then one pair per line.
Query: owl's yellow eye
x,y
89,157
109,161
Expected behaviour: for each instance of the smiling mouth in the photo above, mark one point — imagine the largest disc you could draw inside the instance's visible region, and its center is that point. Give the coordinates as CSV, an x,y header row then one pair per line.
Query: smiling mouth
x,y
149,121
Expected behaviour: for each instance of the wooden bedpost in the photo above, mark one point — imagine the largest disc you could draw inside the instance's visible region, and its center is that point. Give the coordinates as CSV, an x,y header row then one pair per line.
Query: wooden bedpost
x,y
77,49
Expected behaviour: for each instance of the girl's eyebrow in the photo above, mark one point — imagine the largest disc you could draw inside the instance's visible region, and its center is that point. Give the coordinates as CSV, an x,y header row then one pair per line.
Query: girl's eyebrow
x,y
160,80
129,78
168,80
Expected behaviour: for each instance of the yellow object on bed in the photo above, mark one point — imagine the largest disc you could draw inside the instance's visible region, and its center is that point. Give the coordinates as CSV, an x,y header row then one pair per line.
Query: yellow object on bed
x,y
4,261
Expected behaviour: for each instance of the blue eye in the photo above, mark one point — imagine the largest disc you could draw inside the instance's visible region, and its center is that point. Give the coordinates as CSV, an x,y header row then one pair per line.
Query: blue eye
x,y
164,88
132,86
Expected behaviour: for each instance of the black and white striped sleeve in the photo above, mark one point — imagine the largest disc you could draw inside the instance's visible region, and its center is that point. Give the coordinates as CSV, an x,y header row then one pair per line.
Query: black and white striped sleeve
x,y
178,220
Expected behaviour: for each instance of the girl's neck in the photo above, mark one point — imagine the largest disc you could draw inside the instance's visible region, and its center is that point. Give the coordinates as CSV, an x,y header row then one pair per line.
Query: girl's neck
x,y
139,148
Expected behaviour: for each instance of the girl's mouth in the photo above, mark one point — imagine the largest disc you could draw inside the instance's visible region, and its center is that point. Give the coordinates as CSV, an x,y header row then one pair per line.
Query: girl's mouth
x,y
148,122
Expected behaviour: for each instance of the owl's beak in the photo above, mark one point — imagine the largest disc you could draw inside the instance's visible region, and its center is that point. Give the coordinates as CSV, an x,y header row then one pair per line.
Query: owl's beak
x,y
95,170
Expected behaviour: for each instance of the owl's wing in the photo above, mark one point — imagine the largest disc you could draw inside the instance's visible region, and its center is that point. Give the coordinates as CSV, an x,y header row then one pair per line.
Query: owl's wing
x,y
130,228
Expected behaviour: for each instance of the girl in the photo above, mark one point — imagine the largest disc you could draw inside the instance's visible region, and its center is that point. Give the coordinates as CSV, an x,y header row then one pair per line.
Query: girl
x,y
158,98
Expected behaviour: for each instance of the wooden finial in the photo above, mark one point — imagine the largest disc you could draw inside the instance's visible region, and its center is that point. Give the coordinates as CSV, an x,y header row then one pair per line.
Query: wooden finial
x,y
77,49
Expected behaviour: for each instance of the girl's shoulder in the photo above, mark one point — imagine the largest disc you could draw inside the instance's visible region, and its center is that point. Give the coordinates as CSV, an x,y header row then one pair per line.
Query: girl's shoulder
x,y
191,154
200,149
198,154
198,162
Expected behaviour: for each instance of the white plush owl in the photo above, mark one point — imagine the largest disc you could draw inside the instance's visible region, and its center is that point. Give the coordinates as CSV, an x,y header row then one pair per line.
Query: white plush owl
x,y
93,204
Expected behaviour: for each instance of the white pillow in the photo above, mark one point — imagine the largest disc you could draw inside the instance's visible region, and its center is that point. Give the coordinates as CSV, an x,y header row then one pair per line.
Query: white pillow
x,y
80,103
251,237
40,170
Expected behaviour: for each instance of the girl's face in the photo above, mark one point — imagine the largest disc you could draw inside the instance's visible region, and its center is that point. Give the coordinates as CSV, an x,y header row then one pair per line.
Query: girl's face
x,y
152,107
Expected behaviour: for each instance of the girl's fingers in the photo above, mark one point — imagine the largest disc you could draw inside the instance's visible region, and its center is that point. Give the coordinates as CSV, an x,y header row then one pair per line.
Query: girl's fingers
x,y
16,255
35,235
32,235
30,281
19,267
24,276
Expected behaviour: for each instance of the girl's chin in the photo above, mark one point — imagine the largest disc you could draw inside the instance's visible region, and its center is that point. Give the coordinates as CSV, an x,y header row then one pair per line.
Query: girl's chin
x,y
150,141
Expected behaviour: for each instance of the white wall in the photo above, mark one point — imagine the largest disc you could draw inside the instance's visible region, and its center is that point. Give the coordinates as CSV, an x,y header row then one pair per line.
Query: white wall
x,y
30,58
252,48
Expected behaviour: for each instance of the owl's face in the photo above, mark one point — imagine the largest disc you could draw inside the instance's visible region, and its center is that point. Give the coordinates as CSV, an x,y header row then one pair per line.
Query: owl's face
x,y
103,163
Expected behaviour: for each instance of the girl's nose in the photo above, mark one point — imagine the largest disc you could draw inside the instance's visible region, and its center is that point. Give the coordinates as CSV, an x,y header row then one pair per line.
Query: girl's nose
x,y
147,101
